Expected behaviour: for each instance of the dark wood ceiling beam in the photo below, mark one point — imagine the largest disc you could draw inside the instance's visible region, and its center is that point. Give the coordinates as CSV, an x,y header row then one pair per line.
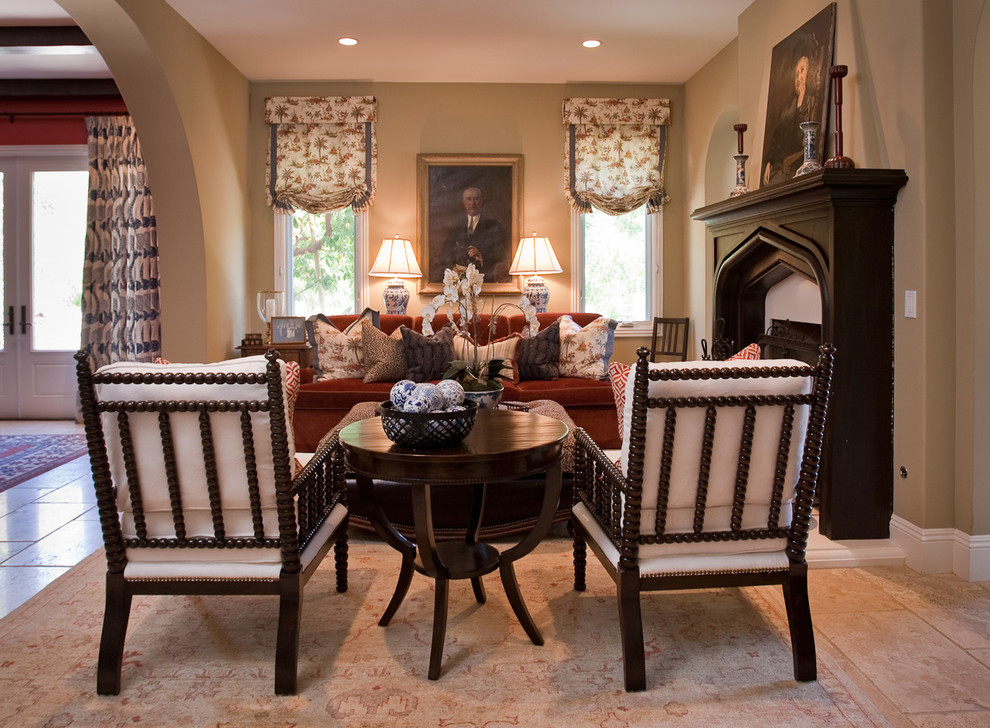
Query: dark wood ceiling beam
x,y
58,87
42,35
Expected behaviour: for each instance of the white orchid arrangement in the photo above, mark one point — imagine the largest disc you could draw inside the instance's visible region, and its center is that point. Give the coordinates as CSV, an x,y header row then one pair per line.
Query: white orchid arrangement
x,y
462,298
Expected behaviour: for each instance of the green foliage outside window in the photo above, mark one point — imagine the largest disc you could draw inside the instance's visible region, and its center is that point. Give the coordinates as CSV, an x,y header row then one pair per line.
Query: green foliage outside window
x,y
615,265
323,263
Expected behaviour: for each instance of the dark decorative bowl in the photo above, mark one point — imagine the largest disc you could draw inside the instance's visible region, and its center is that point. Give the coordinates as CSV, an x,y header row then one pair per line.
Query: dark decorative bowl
x,y
427,429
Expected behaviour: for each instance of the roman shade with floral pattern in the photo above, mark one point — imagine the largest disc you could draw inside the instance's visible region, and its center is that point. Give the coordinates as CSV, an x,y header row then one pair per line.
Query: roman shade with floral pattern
x,y
614,153
323,155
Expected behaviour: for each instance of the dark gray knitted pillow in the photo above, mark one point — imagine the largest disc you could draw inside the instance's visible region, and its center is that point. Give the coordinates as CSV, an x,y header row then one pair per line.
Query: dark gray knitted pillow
x,y
539,356
427,357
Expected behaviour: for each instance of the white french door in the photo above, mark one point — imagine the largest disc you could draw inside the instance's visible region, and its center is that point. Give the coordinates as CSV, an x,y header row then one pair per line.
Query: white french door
x,y
42,243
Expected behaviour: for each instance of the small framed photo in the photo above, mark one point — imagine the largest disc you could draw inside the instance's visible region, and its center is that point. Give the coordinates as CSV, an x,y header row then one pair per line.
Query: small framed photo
x,y
288,330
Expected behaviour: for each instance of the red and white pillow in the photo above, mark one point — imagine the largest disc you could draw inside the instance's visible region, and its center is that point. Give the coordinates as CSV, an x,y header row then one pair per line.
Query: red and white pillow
x,y
618,375
750,352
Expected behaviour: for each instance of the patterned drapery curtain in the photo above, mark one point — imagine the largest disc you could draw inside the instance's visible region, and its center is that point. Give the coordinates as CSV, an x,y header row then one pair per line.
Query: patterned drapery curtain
x,y
322,154
614,153
120,302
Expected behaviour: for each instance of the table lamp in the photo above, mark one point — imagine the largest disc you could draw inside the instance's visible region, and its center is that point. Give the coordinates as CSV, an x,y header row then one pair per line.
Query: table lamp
x,y
535,256
396,260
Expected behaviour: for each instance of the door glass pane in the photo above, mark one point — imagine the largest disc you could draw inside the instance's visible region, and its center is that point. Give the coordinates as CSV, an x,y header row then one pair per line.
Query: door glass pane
x,y
58,218
3,267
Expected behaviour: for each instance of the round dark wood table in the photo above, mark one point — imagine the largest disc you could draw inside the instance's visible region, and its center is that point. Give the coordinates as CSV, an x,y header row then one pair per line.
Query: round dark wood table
x,y
503,445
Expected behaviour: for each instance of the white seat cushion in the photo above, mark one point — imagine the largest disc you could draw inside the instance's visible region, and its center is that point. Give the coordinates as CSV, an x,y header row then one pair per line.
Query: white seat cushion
x,y
693,558
725,454
228,446
220,564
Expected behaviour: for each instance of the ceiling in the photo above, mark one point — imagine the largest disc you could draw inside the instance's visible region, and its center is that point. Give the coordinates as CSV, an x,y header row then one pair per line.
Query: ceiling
x,y
444,41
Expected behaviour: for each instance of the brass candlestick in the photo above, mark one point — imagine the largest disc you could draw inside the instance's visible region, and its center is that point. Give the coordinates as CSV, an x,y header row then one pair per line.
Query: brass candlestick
x,y
838,161
740,188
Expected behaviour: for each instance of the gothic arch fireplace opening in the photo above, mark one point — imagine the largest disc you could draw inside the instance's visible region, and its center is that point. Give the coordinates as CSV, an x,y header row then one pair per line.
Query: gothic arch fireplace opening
x,y
772,289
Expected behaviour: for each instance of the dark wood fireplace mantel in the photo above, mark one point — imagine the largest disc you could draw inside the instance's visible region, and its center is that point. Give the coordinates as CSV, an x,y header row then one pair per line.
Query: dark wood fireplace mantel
x,y
835,227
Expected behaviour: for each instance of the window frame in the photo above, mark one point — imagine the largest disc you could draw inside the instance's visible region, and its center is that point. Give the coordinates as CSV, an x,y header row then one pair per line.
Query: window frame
x,y
654,238
283,257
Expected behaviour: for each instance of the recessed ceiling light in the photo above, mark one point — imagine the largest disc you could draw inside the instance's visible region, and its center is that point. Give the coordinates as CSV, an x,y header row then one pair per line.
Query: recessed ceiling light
x,y
347,41
591,43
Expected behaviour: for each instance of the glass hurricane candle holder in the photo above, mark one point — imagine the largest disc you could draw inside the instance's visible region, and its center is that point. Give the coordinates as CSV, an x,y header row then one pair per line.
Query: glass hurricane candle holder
x,y
270,305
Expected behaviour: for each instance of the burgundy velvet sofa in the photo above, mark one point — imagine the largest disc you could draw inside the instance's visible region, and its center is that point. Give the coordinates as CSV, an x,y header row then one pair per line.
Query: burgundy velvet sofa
x,y
322,404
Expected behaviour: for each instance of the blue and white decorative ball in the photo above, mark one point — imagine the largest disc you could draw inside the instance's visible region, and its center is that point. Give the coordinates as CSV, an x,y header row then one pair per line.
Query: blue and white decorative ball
x,y
452,391
425,397
400,392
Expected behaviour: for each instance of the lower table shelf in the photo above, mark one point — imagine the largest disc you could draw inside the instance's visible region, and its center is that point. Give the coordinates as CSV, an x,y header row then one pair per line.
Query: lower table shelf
x,y
464,560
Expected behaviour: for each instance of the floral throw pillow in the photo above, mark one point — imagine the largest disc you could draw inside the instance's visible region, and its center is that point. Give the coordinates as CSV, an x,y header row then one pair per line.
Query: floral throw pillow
x,y
427,357
384,358
584,352
339,354
505,349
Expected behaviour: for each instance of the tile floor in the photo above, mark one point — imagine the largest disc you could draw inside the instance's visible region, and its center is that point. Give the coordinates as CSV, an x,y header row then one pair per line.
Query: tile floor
x,y
919,645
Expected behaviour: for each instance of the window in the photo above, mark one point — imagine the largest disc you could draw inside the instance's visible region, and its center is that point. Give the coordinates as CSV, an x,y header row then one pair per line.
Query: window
x,y
617,266
320,261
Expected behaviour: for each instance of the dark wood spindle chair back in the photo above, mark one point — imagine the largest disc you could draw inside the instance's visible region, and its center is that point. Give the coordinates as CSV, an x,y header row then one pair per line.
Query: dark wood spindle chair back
x,y
193,468
715,488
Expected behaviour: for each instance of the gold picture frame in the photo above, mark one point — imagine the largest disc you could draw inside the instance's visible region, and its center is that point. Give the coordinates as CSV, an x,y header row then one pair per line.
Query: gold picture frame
x,y
443,182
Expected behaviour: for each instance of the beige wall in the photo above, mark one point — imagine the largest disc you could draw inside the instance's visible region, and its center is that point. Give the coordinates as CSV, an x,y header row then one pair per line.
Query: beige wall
x,y
190,107
972,156
475,119
898,113
710,170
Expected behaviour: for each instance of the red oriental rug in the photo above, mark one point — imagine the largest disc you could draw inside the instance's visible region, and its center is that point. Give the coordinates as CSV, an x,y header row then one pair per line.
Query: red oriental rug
x,y
22,457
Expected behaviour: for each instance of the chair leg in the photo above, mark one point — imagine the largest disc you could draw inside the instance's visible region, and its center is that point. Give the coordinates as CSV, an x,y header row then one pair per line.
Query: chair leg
x,y
580,559
799,623
287,641
631,630
115,616
340,560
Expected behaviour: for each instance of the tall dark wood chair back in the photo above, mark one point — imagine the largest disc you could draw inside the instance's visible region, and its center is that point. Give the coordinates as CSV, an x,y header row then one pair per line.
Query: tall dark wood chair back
x,y
715,488
670,338
193,467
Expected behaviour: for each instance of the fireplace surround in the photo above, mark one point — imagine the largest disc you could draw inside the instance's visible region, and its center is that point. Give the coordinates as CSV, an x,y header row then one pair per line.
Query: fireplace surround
x,y
834,227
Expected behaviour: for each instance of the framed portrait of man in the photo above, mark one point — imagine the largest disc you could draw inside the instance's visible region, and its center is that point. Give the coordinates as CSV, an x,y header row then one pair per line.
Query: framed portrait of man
x,y
799,92
470,211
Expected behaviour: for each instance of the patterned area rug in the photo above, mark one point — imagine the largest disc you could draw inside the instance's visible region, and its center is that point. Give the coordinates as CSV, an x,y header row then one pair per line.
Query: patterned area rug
x,y
22,457
714,658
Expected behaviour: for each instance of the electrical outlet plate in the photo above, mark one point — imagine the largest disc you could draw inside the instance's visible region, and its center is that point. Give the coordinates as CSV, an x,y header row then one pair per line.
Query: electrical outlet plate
x,y
910,304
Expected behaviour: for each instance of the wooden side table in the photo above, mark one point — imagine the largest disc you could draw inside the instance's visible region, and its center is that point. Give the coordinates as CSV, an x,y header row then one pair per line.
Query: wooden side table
x,y
302,353
502,446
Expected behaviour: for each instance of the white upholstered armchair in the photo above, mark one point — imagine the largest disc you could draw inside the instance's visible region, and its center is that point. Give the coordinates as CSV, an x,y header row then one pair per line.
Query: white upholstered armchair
x,y
714,488
193,466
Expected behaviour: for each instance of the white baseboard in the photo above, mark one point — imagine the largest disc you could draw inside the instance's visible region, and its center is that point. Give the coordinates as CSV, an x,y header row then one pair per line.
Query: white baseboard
x,y
942,550
823,553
